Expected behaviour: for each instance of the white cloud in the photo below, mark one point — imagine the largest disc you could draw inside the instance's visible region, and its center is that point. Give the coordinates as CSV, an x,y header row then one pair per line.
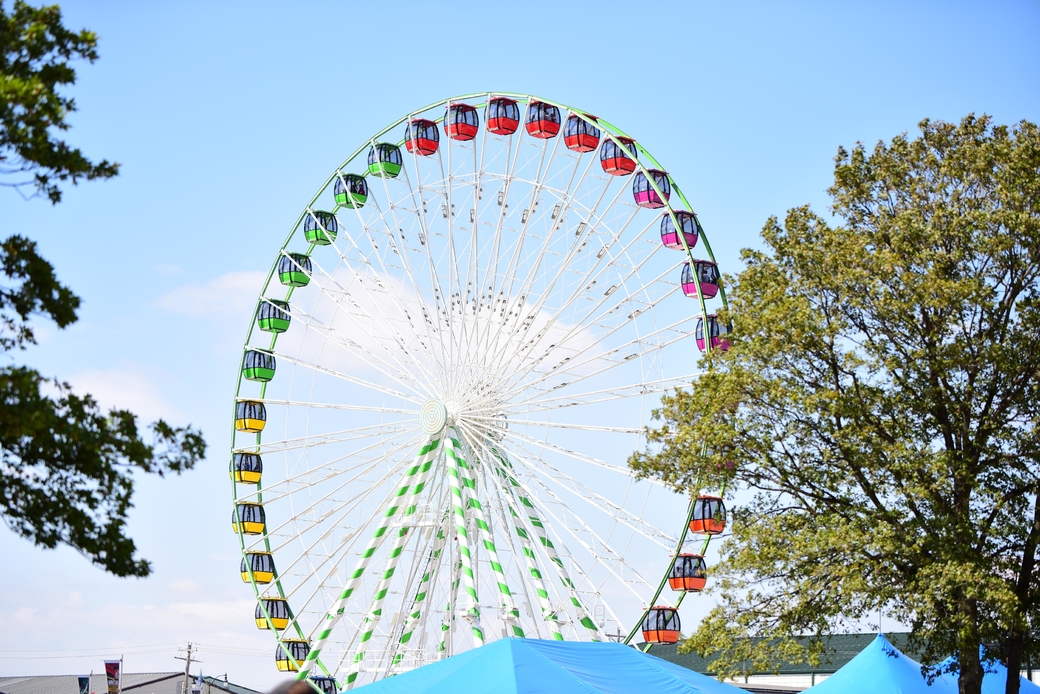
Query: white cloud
x,y
124,387
229,296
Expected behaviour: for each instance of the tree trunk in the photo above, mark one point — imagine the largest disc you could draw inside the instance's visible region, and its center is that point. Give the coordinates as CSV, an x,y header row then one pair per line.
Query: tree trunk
x,y
1017,636
968,660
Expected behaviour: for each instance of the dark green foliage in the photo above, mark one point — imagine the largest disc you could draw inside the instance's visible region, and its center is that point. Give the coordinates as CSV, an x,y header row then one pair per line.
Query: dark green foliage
x,y
880,405
35,55
66,468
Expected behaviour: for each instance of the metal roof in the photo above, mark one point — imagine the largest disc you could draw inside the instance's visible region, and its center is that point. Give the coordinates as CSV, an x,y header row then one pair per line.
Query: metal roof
x,y
133,683
838,650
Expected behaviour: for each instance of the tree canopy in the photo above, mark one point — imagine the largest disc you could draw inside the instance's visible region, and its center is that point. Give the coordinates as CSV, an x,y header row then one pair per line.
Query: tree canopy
x,y
66,468
878,408
35,56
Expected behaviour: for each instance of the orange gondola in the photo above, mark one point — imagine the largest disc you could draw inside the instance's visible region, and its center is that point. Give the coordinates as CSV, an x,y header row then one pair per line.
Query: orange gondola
x,y
661,625
689,573
709,515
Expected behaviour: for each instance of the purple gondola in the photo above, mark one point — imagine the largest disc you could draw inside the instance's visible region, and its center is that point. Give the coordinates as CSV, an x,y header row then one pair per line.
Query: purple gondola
x,y
644,193
707,273
717,330
687,222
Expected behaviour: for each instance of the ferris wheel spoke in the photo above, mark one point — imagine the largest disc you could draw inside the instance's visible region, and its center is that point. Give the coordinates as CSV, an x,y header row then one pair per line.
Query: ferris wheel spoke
x,y
407,264
388,331
579,326
330,562
590,223
426,241
394,372
423,459
337,406
581,457
296,361
601,503
498,480
537,527
513,264
302,520
332,468
580,374
282,445
511,613
544,400
616,560
552,225
564,425
525,287
400,538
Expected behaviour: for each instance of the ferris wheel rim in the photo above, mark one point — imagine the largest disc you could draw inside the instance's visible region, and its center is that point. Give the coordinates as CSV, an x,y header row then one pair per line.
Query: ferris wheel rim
x,y
416,398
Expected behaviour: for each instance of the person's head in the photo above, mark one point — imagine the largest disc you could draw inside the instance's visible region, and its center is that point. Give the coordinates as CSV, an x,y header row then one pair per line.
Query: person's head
x,y
293,687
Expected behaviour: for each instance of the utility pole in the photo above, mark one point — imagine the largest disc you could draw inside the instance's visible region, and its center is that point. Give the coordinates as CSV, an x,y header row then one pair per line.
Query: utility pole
x,y
187,665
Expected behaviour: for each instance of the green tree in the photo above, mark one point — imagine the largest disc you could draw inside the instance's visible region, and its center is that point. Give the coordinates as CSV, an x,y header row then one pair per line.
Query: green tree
x,y
878,408
66,468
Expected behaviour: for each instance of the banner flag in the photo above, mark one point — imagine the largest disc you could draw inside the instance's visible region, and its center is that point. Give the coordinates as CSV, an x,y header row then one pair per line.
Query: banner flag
x,y
112,674
84,684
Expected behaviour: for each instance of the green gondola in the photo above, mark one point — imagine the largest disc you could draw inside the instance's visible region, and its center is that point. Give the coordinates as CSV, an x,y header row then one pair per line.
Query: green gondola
x,y
272,316
320,227
294,270
258,366
385,160
351,190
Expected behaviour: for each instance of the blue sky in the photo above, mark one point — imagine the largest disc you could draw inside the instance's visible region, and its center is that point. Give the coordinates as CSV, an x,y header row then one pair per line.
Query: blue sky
x,y
227,117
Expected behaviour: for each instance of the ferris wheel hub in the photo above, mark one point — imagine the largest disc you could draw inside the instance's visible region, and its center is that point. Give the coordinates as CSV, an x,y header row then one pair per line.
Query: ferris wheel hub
x,y
433,416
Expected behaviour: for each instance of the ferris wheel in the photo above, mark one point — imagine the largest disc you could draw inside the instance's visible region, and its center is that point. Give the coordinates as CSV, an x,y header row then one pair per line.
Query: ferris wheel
x,y
458,346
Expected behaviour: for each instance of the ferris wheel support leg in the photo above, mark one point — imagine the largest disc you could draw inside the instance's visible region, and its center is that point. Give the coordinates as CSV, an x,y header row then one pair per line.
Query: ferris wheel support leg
x,y
530,557
550,550
423,460
453,456
509,608
420,598
375,612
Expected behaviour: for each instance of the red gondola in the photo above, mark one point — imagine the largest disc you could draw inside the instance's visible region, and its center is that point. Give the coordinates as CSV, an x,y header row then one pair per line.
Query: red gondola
x,y
717,330
644,193
503,116
615,158
687,222
580,135
709,515
689,573
421,136
707,273
461,122
661,625
543,120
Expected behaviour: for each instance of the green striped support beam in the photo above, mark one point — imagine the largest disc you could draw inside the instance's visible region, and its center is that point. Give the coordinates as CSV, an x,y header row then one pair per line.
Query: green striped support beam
x,y
449,609
426,455
420,597
527,548
509,608
516,490
375,611
453,456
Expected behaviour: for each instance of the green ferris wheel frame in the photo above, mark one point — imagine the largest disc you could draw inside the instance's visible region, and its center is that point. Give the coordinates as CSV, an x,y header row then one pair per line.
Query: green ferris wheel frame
x,y
609,131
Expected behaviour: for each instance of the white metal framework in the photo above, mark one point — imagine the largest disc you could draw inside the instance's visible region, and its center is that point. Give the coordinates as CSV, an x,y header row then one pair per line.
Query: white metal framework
x,y
474,357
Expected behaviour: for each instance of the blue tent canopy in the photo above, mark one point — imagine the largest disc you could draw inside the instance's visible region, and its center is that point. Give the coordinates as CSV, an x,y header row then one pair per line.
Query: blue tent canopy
x,y
530,666
882,668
